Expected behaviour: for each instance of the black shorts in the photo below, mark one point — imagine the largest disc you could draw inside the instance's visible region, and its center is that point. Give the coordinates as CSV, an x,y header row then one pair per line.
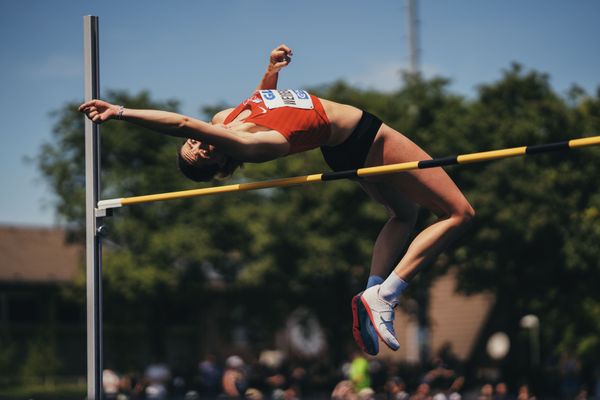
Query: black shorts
x,y
352,153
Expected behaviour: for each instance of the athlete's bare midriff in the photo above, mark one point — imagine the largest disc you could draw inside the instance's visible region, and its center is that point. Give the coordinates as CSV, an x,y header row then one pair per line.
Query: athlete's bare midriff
x,y
343,119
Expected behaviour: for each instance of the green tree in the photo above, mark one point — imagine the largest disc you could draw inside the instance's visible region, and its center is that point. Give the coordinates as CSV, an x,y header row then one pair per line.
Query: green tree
x,y
534,242
42,359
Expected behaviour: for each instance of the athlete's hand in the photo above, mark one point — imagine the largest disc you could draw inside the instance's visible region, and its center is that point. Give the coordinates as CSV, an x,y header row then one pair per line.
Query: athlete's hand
x,y
280,58
99,111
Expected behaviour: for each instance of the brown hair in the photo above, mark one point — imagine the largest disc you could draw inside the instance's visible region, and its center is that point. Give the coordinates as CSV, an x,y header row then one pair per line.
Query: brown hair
x,y
207,172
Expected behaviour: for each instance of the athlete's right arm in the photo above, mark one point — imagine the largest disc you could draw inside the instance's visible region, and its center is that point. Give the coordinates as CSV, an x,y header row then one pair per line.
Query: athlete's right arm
x,y
280,58
240,145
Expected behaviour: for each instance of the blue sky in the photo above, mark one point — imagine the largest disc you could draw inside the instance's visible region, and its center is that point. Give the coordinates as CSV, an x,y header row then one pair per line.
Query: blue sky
x,y
205,52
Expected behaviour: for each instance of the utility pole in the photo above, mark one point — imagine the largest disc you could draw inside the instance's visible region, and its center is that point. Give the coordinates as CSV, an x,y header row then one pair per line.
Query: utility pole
x,y
413,36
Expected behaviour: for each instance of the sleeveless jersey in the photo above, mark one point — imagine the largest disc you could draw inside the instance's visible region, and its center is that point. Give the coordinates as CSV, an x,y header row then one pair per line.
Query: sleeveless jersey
x,y
296,114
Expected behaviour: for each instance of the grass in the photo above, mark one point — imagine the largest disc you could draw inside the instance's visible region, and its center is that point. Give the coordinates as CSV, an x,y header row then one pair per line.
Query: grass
x,y
47,391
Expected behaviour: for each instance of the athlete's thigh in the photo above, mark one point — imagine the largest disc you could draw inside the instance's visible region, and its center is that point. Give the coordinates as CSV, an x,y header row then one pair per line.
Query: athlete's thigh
x,y
396,202
430,188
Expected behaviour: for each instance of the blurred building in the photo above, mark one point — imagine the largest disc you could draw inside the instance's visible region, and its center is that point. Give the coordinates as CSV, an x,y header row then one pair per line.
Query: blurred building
x,y
37,256
35,265
38,264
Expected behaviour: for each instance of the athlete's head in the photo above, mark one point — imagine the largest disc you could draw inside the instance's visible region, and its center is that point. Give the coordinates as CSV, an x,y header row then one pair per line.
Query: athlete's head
x,y
201,162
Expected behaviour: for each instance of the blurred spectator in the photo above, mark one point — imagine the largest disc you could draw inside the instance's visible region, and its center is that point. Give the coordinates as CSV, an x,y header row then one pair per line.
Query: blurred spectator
x,y
582,394
440,376
191,395
271,377
455,388
273,369
132,386
439,395
344,390
320,374
502,392
273,359
278,394
234,378
297,381
288,394
569,367
359,372
486,392
422,392
276,381
597,383
253,394
291,393
210,376
524,393
395,389
378,374
178,386
110,384
366,394
158,373
156,391
158,376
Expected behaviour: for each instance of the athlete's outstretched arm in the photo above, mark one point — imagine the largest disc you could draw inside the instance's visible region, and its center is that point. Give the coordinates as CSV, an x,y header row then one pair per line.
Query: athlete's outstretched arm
x,y
241,145
280,58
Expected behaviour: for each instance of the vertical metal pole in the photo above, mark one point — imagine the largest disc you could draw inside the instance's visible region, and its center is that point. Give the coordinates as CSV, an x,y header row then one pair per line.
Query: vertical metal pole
x,y
92,188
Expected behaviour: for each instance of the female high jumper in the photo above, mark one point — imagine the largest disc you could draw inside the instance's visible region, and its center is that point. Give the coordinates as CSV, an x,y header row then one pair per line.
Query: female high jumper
x,y
275,123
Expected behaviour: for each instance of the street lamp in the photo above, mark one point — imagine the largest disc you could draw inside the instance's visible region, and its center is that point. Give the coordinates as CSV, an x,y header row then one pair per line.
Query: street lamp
x,y
532,323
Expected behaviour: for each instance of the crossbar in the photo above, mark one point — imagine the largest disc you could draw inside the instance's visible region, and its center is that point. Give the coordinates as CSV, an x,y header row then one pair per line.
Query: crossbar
x,y
356,173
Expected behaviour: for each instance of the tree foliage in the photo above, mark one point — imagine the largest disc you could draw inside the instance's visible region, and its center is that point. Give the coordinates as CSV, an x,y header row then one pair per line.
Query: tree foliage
x,y
534,243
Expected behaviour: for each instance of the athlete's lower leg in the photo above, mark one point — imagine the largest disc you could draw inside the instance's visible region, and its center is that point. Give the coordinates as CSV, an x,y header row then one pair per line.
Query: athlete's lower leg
x,y
394,235
432,241
390,243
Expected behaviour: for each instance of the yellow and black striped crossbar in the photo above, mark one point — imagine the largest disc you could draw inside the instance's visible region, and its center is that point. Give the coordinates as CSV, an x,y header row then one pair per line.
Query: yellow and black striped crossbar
x,y
357,173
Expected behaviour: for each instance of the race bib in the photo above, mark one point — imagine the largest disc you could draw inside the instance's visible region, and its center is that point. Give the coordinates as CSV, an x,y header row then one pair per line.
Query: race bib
x,y
286,98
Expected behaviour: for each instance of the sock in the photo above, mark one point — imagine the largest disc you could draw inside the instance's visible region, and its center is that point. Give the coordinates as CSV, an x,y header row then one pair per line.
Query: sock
x,y
374,280
392,287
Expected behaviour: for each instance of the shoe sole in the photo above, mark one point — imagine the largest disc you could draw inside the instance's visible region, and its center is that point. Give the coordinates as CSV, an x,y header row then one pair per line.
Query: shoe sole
x,y
360,318
368,311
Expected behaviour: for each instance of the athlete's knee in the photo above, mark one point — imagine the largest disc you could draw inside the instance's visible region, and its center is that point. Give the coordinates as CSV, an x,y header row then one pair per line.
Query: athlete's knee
x,y
464,213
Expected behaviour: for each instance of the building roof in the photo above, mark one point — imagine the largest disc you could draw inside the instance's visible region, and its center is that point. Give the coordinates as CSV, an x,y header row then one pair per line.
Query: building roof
x,y
33,255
